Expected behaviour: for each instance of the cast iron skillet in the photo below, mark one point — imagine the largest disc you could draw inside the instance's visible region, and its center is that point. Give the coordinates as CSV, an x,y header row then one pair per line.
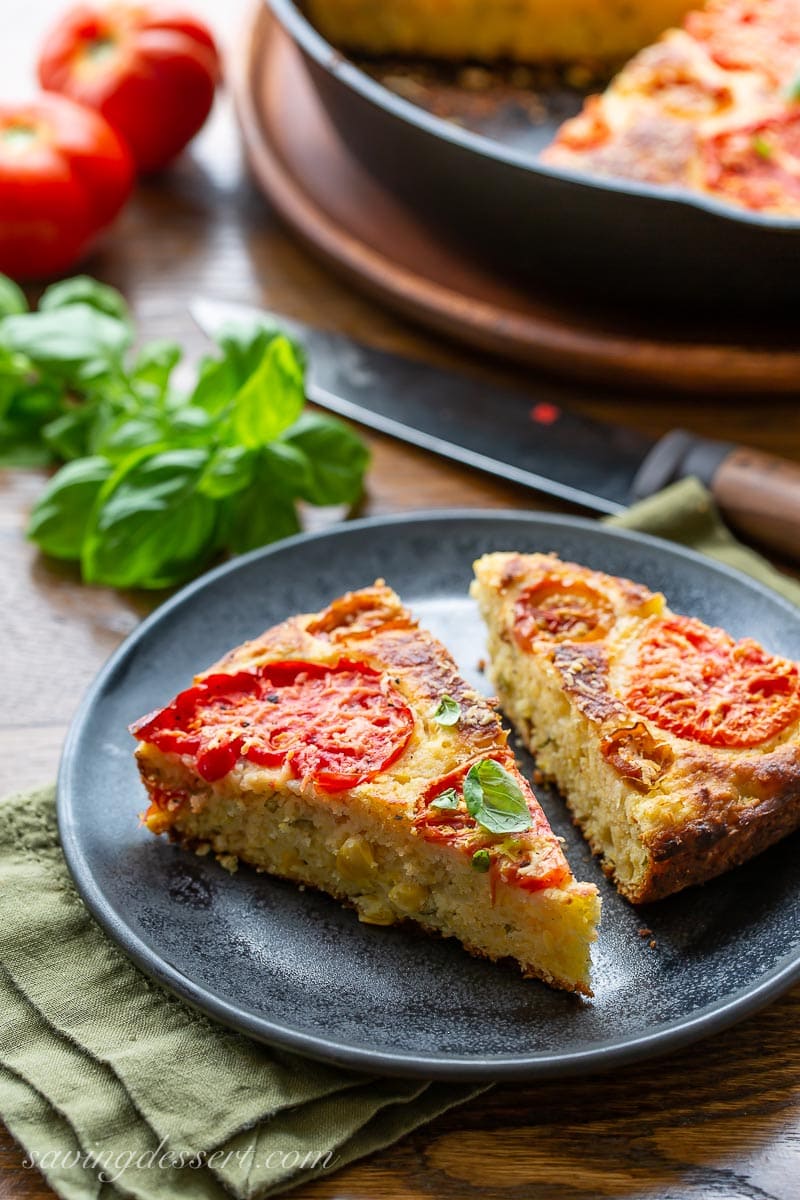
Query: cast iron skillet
x,y
483,187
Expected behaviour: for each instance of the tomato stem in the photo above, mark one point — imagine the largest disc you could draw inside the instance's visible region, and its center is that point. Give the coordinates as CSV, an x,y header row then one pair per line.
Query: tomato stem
x,y
19,136
101,48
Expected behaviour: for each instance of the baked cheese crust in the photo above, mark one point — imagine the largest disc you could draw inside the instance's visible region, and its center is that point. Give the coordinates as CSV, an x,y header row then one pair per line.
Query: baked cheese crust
x,y
712,106
676,748
316,753
533,31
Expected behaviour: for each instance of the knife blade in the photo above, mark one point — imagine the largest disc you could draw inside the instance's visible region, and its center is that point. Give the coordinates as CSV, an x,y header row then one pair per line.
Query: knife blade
x,y
534,442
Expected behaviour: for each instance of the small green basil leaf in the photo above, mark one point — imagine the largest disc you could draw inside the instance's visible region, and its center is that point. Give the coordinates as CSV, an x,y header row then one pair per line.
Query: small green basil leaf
x,y
446,801
95,374
191,426
121,437
82,289
60,518
243,347
65,339
230,470
482,860
24,411
337,459
286,467
153,368
448,712
257,516
495,799
272,398
33,404
19,447
15,369
12,298
216,386
150,527
68,435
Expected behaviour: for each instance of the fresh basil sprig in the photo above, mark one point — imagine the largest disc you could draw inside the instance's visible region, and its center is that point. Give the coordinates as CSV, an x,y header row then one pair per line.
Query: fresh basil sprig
x,y
495,800
447,712
159,482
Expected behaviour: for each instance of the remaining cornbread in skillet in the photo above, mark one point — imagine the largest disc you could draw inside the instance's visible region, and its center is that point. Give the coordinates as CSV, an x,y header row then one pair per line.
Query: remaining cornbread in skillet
x,y
712,107
534,31
676,747
343,750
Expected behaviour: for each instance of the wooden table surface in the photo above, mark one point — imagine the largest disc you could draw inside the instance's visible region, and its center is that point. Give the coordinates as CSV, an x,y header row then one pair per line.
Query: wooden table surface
x,y
720,1120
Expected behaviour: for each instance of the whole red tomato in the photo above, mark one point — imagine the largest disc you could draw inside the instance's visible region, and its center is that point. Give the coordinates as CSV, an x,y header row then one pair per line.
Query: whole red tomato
x,y
64,175
150,69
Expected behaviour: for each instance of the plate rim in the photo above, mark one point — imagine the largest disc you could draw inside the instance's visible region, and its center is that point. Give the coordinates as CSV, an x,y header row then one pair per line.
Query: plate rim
x,y
342,68
672,1036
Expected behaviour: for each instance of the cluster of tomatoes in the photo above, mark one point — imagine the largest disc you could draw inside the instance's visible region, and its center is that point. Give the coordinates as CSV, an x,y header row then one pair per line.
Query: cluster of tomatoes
x,y
126,87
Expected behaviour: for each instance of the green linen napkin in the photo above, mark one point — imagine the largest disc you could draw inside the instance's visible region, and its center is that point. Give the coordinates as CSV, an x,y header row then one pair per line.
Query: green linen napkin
x,y
115,1088
685,512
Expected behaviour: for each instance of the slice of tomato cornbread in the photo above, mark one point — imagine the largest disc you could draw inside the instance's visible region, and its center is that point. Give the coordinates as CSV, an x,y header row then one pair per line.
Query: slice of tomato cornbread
x,y
676,747
343,750
523,30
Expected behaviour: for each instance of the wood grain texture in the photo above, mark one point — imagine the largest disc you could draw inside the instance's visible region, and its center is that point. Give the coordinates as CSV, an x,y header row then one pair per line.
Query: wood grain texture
x,y
720,1121
760,495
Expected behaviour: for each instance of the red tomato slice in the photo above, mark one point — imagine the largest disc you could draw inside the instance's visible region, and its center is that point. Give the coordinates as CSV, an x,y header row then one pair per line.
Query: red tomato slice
x,y
700,684
758,165
555,610
588,130
747,35
338,725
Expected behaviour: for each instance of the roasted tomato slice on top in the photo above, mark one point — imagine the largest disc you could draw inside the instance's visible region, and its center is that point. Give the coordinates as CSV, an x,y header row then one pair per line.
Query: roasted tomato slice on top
x,y
340,725
700,684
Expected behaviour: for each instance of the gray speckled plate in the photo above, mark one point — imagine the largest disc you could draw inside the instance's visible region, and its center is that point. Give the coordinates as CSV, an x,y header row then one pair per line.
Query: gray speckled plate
x,y
295,969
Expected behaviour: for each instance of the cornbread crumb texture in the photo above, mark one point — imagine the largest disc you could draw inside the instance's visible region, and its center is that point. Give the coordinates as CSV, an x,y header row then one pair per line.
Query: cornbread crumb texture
x,y
368,845
662,811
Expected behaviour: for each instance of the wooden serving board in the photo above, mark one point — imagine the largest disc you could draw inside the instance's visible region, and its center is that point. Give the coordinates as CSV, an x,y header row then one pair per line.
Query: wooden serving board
x,y
364,232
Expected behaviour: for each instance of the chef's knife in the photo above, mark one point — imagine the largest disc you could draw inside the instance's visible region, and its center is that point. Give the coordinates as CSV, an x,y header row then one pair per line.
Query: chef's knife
x,y
532,442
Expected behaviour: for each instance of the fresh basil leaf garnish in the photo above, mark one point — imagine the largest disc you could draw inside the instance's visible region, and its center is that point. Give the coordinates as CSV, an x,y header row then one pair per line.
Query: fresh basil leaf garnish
x,y
495,799
446,801
448,712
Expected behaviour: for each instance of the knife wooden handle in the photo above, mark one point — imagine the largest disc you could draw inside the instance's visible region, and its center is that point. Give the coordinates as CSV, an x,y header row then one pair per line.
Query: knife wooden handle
x,y
760,495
